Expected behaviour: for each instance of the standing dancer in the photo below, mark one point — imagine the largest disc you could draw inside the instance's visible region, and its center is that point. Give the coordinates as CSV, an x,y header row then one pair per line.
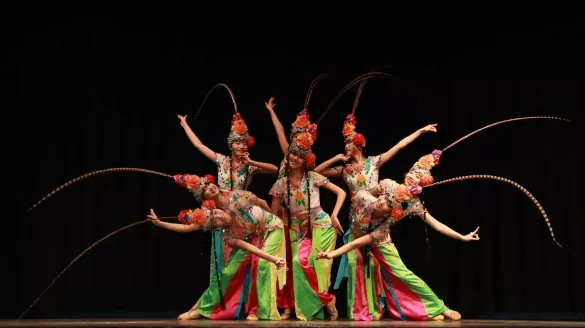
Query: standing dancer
x,y
359,173
310,227
234,172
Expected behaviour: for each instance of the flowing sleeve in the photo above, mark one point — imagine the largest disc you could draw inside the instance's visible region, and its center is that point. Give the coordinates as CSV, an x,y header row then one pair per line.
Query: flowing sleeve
x,y
278,188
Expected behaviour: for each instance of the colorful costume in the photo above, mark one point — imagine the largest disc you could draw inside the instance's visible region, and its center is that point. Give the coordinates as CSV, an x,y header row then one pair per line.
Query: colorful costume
x,y
311,278
245,278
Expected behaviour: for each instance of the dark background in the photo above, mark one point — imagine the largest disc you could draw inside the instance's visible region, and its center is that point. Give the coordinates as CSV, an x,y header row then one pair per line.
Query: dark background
x,y
88,93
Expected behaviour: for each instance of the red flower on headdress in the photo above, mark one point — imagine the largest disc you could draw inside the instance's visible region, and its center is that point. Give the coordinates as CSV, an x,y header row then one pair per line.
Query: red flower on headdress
x,y
304,140
426,180
236,117
310,160
185,216
350,119
313,130
302,120
397,212
251,142
426,162
199,216
210,178
348,129
209,203
187,180
401,194
239,127
359,140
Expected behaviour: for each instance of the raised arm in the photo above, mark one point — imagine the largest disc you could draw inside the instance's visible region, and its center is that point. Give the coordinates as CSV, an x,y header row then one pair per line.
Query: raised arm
x,y
341,194
282,141
324,169
195,141
176,227
405,142
280,262
445,230
356,243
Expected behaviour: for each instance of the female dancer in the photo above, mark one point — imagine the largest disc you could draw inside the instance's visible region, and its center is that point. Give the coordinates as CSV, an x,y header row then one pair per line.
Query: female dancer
x,y
406,296
361,173
310,226
234,172
239,223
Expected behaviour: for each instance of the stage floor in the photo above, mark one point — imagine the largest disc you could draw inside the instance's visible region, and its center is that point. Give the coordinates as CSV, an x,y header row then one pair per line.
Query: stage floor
x,y
244,323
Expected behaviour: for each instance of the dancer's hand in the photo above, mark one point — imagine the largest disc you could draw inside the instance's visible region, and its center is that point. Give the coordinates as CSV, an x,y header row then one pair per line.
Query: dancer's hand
x,y
335,223
246,158
270,104
153,218
342,157
428,128
183,120
280,262
471,236
322,255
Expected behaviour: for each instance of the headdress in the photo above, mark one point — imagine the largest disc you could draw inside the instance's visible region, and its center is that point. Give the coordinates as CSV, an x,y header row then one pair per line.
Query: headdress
x,y
194,183
239,132
200,216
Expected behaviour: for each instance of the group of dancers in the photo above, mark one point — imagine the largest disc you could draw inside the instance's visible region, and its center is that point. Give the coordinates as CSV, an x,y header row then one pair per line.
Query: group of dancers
x,y
266,257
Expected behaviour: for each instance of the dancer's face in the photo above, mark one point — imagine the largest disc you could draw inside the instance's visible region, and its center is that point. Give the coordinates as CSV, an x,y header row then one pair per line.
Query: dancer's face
x,y
295,161
239,148
382,204
351,149
211,191
221,218
411,179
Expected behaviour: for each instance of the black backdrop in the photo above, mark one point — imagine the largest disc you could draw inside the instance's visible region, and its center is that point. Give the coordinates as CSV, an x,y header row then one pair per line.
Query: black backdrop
x,y
89,93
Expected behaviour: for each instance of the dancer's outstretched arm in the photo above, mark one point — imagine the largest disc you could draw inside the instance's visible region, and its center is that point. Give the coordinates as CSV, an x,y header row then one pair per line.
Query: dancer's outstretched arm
x,y
324,169
405,142
195,140
445,230
280,262
356,243
264,168
176,227
277,126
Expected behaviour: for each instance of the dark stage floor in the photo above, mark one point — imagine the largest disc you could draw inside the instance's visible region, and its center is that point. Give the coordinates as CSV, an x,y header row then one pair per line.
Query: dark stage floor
x,y
244,323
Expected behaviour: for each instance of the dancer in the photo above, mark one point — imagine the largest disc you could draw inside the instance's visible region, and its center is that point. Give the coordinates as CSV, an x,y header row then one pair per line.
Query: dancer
x,y
310,227
406,296
234,172
360,173
239,223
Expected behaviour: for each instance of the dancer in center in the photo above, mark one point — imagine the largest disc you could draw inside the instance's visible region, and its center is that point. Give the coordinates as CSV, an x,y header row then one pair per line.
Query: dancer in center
x,y
298,192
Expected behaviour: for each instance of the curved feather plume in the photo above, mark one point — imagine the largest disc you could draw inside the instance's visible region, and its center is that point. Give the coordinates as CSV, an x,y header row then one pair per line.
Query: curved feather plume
x,y
87,250
358,94
505,121
357,80
209,93
87,175
311,87
515,184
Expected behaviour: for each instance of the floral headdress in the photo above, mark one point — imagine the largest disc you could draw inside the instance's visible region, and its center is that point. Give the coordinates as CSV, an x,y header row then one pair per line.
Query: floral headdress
x,y
349,133
194,183
200,216
404,193
239,132
303,135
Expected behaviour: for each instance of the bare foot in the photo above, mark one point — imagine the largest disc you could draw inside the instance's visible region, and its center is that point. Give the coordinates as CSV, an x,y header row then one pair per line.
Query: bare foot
x,y
452,315
189,315
439,317
285,315
332,310
252,317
